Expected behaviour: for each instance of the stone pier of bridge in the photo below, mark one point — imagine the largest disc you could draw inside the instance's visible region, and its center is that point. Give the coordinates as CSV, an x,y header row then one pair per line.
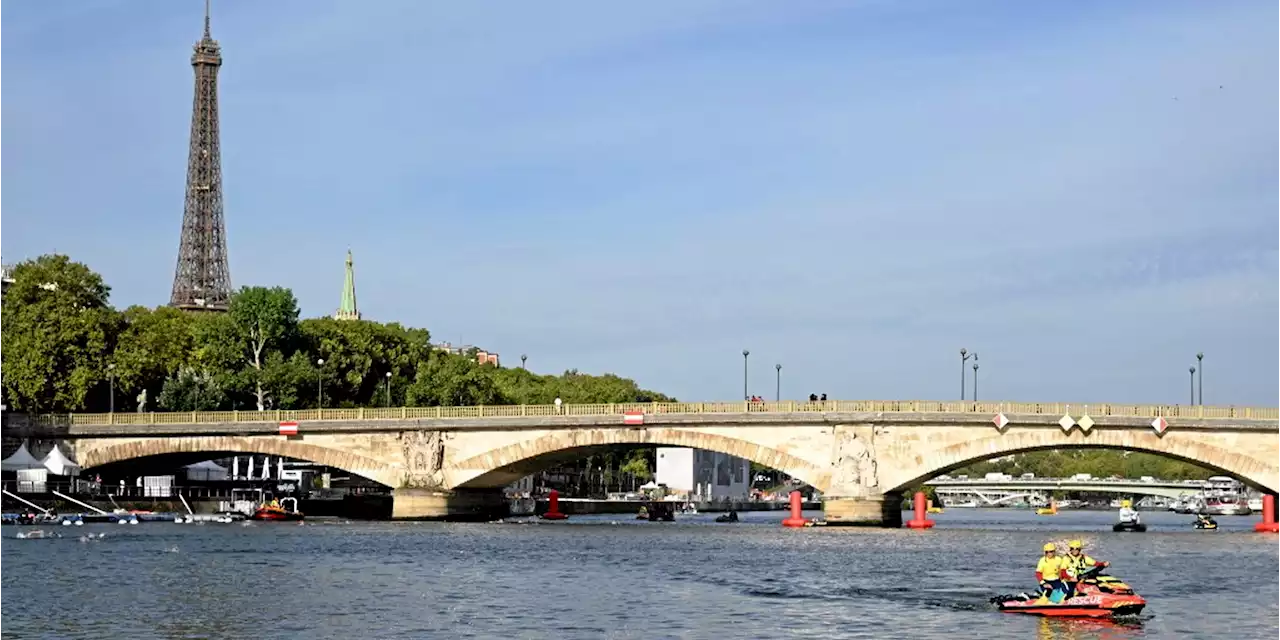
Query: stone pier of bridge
x,y
456,466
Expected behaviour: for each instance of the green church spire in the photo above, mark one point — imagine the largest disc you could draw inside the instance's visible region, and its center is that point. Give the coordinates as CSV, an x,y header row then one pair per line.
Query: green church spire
x,y
347,310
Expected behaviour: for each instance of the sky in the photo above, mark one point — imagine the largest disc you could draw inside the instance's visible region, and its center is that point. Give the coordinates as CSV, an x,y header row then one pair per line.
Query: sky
x,y
1085,193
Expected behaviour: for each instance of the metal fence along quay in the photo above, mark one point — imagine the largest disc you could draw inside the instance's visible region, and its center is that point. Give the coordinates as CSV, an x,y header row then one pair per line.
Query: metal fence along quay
x,y
1054,409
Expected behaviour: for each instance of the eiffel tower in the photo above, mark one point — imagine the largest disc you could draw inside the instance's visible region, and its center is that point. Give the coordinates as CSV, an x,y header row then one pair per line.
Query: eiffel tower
x,y
202,280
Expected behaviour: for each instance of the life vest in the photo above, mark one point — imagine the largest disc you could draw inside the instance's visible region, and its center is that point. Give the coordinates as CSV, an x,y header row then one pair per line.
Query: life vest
x,y
1076,565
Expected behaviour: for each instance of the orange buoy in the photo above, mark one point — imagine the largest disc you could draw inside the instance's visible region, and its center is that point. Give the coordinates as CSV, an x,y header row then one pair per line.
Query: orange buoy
x,y
553,507
796,507
1268,524
920,521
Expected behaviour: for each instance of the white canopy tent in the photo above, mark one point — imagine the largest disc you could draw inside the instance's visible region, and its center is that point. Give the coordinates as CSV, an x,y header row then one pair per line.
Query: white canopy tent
x,y
21,460
59,464
207,470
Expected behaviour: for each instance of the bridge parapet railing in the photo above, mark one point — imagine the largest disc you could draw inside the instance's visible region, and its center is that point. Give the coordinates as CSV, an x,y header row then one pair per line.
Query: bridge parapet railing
x,y
1076,410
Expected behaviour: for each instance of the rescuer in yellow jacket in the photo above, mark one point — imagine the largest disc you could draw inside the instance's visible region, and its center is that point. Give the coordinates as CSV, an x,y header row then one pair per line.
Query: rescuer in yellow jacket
x,y
1051,570
1077,562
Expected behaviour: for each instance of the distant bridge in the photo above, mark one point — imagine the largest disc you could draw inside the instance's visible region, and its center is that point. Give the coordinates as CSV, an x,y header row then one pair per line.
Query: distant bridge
x,y
1021,486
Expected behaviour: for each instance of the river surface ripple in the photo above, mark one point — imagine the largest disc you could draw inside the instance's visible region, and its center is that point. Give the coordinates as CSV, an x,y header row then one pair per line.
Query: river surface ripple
x,y
610,577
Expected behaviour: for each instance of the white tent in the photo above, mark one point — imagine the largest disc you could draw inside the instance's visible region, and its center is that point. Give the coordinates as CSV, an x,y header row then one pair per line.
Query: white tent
x,y
21,459
59,464
207,470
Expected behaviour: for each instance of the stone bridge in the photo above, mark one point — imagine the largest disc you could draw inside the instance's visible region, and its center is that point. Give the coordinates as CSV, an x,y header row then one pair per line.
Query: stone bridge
x,y
453,461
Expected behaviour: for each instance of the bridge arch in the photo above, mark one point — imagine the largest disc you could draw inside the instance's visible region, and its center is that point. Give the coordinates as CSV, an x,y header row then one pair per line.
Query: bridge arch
x,y
114,451
1255,468
500,466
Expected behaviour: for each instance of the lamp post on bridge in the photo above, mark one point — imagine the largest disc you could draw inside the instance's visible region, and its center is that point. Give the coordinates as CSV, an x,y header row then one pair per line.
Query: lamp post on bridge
x,y
777,392
975,377
320,384
1200,363
1193,385
523,359
745,353
111,382
388,389
964,357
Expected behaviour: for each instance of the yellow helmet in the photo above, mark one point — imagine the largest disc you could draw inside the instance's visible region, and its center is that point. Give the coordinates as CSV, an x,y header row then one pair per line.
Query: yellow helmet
x,y
1050,547
1126,503
1075,544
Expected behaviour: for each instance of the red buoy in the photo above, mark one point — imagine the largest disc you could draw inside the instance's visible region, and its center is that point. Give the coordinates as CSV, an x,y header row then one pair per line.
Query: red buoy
x,y
1268,524
920,521
796,506
553,507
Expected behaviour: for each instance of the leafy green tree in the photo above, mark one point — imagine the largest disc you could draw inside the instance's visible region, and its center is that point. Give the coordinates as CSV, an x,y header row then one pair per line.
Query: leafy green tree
x,y
290,383
58,335
192,390
452,381
259,321
152,347
358,354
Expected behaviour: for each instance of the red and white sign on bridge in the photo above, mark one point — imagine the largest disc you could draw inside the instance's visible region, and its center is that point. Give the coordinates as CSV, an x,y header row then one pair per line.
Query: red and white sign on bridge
x,y
633,417
289,428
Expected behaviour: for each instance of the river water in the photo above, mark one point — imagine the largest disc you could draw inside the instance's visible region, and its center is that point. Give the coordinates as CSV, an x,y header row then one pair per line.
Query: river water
x,y
608,577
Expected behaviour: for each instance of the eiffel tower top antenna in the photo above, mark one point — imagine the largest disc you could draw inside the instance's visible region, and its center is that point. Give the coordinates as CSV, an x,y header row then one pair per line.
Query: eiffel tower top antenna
x,y
207,35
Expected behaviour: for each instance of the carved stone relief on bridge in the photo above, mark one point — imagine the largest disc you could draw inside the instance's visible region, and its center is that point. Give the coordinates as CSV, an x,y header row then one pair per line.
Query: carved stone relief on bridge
x,y
423,458
853,461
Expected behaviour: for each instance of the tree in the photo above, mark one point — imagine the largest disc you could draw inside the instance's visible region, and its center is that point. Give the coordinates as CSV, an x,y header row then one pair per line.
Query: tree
x,y
153,346
452,381
58,334
259,321
358,354
191,390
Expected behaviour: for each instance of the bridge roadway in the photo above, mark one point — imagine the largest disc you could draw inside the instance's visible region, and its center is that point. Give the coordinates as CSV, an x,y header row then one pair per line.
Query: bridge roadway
x,y
451,462
1165,488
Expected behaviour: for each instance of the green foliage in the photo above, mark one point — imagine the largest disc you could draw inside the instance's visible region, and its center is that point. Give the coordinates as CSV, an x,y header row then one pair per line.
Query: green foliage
x,y
60,335
57,338
1100,463
153,346
192,390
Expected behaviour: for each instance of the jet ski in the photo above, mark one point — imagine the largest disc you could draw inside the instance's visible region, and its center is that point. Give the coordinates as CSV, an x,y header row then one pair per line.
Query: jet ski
x,y
1097,596
732,517
1132,525
1208,524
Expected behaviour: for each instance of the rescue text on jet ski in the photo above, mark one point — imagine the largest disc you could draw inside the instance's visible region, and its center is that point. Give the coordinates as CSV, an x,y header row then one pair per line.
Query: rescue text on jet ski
x,y
1098,595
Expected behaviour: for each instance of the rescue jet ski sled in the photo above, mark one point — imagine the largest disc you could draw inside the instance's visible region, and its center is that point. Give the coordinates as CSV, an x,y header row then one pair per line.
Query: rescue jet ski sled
x,y
1136,527
1097,596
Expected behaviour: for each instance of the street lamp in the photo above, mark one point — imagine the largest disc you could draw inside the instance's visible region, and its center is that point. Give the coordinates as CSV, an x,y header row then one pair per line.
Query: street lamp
x,y
111,383
964,355
1193,385
320,384
388,389
777,393
1200,363
523,359
745,353
975,377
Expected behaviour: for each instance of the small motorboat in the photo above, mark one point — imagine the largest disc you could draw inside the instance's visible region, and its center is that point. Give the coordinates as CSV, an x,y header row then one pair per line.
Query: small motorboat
x,y
1098,596
1132,526
277,512
732,516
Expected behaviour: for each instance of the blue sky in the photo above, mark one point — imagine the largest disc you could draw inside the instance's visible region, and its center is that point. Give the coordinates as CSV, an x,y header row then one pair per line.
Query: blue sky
x,y
1083,192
